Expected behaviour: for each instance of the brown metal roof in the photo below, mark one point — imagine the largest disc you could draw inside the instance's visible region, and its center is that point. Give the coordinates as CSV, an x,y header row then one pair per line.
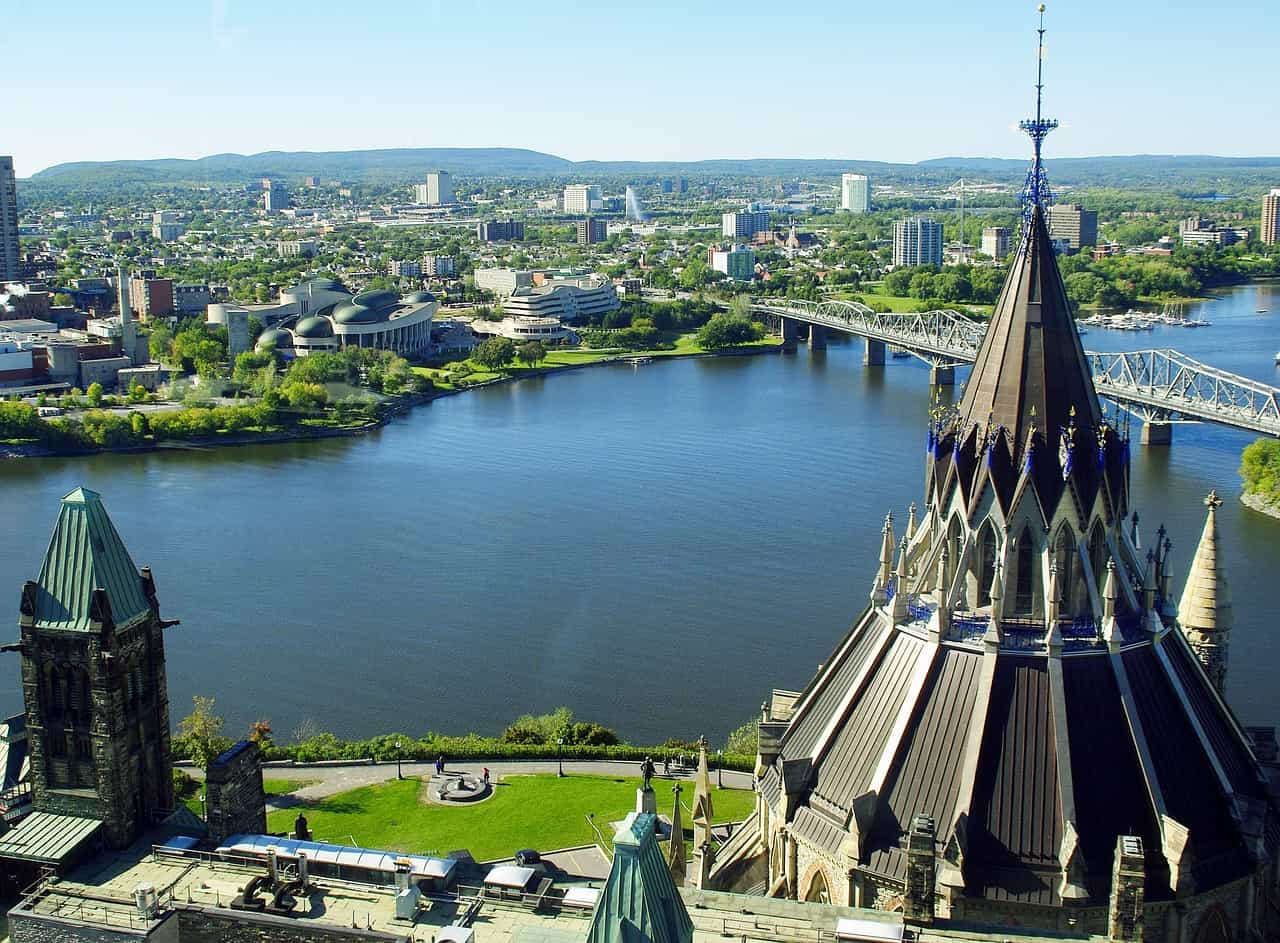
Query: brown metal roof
x,y
830,689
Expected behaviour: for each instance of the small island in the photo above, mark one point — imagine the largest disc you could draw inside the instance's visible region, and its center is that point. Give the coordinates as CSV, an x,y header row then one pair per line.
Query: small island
x,y
1260,469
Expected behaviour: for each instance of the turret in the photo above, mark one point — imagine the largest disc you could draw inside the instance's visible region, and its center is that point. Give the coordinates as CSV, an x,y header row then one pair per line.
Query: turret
x,y
1205,609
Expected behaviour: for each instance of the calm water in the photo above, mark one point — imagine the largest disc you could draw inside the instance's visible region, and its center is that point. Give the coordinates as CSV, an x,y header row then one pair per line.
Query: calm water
x,y
656,547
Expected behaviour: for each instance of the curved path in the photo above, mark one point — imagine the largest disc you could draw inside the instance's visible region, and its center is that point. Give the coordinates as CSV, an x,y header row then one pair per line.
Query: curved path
x,y
329,780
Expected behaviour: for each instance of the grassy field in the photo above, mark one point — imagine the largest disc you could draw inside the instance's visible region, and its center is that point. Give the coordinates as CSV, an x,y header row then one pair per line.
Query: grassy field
x,y
272,787
541,811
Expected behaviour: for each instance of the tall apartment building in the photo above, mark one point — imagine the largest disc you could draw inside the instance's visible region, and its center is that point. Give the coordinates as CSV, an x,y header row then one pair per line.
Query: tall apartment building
x,y
855,193
997,241
439,265
165,226
150,297
1073,224
275,196
738,262
1269,232
437,191
9,258
501,230
404,269
744,224
591,231
582,198
917,241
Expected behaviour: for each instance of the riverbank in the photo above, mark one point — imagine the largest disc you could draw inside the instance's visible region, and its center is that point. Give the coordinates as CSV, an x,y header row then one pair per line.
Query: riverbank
x,y
1255,503
387,410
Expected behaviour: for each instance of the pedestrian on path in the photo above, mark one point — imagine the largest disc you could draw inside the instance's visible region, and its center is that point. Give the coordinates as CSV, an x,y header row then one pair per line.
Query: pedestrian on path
x,y
440,765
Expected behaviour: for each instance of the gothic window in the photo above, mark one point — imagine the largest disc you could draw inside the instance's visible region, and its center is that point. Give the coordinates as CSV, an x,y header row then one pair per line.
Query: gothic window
x,y
57,741
1098,556
1213,927
986,563
1024,593
1064,554
818,891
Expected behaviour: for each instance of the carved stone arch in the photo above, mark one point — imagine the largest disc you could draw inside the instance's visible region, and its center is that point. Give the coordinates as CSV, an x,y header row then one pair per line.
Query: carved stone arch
x,y
1213,927
816,887
982,569
954,542
1070,579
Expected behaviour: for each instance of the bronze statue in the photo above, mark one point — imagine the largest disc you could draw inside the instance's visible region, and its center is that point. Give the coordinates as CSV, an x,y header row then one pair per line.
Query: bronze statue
x,y
647,770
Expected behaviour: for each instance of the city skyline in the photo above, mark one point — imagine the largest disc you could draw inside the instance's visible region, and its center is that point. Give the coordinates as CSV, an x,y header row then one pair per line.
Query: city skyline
x,y
844,84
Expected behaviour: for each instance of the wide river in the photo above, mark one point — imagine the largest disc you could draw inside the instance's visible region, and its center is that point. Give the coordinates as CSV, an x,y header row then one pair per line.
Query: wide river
x,y
656,547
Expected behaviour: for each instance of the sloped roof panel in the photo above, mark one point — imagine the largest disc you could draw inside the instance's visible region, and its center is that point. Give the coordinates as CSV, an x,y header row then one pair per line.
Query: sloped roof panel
x,y
829,690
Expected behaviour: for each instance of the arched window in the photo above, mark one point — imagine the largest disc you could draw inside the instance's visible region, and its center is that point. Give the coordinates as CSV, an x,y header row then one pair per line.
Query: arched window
x,y
1064,555
818,891
1213,928
955,541
1098,555
1024,595
986,563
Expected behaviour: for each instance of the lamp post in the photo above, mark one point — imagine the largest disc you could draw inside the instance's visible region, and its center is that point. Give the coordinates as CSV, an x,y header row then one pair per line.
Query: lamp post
x,y
560,756
720,769
398,755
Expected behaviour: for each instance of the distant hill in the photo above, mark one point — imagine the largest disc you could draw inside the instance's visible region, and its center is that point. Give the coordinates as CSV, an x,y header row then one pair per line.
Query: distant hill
x,y
402,165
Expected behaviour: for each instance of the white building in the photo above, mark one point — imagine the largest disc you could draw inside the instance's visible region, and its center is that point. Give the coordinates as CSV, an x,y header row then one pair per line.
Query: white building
x,y
566,299
377,318
744,224
917,241
582,198
437,191
520,328
737,262
290,247
997,241
855,193
502,281
165,226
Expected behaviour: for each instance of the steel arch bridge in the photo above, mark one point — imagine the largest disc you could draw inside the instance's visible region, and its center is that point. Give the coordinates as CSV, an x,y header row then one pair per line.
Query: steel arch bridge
x,y
1159,386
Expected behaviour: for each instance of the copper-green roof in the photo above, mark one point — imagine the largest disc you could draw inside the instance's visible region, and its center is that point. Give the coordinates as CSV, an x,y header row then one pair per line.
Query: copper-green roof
x,y
640,903
86,553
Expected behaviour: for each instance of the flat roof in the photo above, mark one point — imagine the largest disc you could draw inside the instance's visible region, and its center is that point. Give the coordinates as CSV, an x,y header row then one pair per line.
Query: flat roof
x,y
342,855
47,838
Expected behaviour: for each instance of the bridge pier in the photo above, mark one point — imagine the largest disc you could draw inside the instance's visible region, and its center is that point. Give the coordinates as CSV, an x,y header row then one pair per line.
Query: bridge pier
x,y
817,337
873,354
942,376
790,332
1155,432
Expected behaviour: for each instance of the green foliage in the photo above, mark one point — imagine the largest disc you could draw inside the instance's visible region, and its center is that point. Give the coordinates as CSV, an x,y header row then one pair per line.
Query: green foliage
x,y
201,732
557,725
495,353
725,330
137,392
744,740
1260,469
93,395
184,785
531,352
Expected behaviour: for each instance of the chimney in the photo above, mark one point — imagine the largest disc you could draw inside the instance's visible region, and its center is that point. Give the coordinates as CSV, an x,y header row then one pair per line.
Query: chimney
x,y
918,902
1124,916
128,330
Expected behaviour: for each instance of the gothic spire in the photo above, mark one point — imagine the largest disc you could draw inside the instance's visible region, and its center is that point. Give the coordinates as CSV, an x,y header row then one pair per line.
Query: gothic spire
x,y
1205,608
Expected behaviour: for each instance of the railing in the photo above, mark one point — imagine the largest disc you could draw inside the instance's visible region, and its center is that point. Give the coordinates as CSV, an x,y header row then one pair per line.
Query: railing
x,y
968,628
1155,384
919,610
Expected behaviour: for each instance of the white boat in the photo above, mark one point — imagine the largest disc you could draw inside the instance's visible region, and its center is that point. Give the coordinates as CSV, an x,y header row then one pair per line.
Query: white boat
x,y
1278,358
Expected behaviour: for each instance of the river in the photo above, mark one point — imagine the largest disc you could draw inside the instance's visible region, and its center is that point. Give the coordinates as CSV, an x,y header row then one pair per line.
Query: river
x,y
656,546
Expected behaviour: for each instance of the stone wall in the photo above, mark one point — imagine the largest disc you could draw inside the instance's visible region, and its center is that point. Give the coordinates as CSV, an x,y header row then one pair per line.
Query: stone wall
x,y
237,804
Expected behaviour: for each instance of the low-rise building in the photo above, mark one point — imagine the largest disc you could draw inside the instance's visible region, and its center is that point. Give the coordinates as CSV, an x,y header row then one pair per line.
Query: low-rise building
x,y
439,266
295,247
378,318
519,328
502,281
191,298
504,230
404,269
149,296
566,299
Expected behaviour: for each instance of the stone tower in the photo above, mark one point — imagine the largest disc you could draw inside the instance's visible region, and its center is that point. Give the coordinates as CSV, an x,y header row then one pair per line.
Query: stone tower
x,y
1205,608
93,678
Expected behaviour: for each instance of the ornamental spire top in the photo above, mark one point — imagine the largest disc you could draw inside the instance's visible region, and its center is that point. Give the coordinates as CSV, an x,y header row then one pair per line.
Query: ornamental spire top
x,y
1035,191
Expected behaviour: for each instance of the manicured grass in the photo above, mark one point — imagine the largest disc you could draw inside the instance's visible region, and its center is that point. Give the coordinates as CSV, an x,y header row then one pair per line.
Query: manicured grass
x,y
541,811
282,787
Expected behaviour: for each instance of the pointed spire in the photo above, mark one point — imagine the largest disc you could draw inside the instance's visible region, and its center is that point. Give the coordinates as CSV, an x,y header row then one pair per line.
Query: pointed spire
x,y
675,854
1205,608
911,522
884,575
1149,583
1054,596
899,612
1110,591
994,634
639,901
703,813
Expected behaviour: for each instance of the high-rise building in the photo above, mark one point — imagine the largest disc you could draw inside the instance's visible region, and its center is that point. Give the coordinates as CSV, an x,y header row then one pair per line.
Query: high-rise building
x,y
275,196
744,224
1269,232
501,230
437,191
855,193
165,226
410,268
9,257
439,265
1074,224
917,241
996,241
683,185
591,231
582,198
737,262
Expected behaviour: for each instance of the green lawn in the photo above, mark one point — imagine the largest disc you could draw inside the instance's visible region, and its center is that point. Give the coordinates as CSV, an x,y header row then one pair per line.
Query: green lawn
x,y
541,811
272,787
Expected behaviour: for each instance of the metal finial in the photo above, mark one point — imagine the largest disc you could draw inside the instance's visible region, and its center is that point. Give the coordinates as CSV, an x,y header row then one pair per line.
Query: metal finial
x,y
1035,191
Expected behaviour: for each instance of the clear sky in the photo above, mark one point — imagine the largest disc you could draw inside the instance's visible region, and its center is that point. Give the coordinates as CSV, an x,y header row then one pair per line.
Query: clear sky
x,y
634,79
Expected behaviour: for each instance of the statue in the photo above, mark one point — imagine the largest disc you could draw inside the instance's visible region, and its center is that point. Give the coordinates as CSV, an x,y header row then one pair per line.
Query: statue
x,y
647,770
300,830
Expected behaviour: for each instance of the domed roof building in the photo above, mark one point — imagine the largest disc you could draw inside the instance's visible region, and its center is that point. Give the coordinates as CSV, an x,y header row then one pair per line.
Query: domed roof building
x,y
371,319
1023,727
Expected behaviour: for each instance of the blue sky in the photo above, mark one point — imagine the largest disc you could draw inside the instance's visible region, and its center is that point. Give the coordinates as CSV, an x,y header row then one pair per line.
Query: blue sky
x,y
634,80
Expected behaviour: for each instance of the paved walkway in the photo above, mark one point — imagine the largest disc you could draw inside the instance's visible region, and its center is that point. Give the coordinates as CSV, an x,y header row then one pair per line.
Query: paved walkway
x,y
329,780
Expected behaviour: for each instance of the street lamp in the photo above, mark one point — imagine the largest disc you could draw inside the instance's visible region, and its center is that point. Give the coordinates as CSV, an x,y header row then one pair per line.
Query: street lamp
x,y
398,773
559,756
720,769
